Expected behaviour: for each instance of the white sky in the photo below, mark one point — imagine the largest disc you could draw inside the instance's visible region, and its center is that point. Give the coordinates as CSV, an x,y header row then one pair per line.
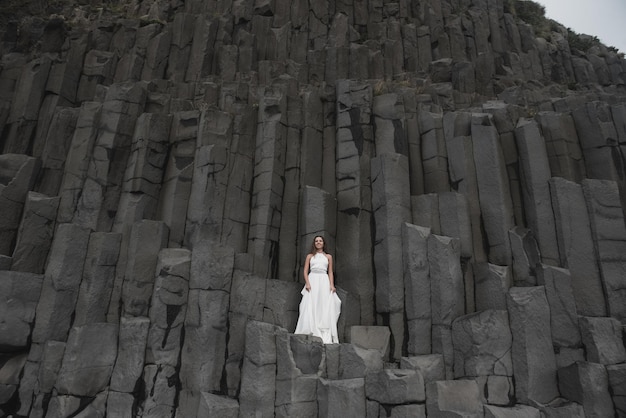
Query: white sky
x,y
605,19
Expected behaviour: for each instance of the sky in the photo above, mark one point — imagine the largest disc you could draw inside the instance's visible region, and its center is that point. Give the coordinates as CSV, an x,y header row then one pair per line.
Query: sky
x,y
605,19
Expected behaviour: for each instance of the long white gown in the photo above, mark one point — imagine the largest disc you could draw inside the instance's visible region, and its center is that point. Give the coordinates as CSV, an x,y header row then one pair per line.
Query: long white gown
x,y
319,308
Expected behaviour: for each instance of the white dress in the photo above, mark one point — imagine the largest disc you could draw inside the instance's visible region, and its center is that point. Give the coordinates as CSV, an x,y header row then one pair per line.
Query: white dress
x,y
319,308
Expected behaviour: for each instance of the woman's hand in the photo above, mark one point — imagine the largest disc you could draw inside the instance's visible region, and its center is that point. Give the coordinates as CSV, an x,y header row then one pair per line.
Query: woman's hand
x,y
332,289
307,287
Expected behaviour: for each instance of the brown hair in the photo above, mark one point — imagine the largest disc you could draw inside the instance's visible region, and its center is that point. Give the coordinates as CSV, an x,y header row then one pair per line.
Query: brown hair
x,y
313,249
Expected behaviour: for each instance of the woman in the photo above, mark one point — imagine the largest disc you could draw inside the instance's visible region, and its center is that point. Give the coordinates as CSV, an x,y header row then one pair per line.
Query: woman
x,y
320,305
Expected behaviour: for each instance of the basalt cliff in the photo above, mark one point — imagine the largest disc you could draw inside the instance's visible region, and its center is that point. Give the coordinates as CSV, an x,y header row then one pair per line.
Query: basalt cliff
x,y
165,165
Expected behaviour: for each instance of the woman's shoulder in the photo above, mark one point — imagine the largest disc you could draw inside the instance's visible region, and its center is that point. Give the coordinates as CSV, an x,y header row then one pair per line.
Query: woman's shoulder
x,y
330,257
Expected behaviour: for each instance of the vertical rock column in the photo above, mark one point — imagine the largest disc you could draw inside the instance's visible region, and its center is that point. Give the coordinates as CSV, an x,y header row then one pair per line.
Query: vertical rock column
x,y
391,205
268,187
18,173
206,323
535,173
576,247
354,150
289,234
27,99
35,234
77,160
447,296
562,145
167,315
534,364
205,209
434,152
98,202
609,234
142,178
457,131
417,288
176,183
493,188
238,195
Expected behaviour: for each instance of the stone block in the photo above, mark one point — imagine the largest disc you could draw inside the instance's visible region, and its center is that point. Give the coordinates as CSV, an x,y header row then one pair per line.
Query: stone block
x,y
61,283
82,373
425,211
617,387
391,206
133,335
562,408
98,278
416,287
516,411
336,397
482,344
146,240
534,363
216,405
587,384
535,173
430,366
491,285
51,360
447,291
493,188
348,361
455,222
608,230
449,398
168,307
18,176
159,393
576,247
603,340
19,295
120,404
371,337
395,386
34,236
496,390
563,317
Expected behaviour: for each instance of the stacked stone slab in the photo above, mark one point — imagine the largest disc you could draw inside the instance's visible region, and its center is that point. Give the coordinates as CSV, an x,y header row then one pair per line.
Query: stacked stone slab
x,y
164,167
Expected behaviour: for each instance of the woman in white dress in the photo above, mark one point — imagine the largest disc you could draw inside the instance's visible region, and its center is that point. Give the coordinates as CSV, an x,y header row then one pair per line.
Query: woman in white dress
x,y
320,306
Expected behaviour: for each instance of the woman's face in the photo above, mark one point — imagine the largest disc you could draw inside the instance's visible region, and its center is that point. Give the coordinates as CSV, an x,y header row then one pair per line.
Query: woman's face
x,y
319,243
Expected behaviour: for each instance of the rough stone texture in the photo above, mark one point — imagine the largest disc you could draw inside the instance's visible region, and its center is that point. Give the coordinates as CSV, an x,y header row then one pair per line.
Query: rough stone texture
x,y
453,398
18,304
576,247
516,411
82,373
491,285
525,256
608,230
587,384
563,318
336,397
133,337
534,364
482,344
18,175
399,386
430,366
417,288
61,283
493,188
34,236
603,340
164,166
617,387
535,170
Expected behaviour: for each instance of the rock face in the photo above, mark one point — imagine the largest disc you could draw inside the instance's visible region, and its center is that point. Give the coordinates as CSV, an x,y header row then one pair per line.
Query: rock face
x,y
165,165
